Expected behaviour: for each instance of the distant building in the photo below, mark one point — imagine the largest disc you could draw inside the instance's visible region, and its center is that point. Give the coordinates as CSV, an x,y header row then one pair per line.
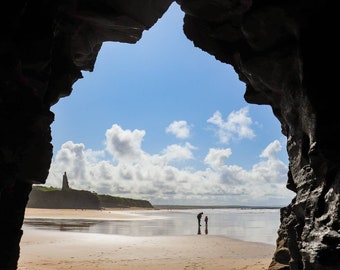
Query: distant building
x,y
65,182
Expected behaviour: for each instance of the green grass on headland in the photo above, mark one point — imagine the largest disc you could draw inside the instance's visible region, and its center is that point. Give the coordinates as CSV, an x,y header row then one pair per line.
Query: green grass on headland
x,y
164,206
51,197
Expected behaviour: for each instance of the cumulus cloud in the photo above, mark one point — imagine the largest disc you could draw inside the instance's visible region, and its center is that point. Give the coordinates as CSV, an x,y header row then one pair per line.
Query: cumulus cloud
x,y
237,126
180,129
133,173
178,152
216,158
272,150
124,144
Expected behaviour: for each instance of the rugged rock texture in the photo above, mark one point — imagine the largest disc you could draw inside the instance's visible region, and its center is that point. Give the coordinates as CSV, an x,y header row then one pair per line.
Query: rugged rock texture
x,y
269,44
280,49
44,47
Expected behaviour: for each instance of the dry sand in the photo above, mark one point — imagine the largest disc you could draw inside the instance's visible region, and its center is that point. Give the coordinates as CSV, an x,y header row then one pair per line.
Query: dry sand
x,y
45,250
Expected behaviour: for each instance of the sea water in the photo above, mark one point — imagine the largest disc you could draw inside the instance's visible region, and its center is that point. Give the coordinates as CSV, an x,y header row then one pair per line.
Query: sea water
x,y
248,224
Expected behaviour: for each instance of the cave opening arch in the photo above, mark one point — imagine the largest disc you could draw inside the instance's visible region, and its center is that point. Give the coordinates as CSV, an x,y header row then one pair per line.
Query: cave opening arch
x,y
46,45
153,85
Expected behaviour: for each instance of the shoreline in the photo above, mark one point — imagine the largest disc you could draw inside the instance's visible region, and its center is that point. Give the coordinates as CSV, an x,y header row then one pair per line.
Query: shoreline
x,y
59,250
107,213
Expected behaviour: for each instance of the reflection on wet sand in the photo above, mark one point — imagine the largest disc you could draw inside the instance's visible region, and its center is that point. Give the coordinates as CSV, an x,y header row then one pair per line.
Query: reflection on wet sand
x,y
252,225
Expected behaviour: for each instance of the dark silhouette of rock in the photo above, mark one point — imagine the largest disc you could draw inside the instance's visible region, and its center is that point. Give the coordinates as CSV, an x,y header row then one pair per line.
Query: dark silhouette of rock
x,y
53,198
281,50
68,198
63,199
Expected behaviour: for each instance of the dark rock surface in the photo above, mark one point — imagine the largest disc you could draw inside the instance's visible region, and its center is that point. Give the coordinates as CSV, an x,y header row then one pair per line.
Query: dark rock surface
x,y
281,49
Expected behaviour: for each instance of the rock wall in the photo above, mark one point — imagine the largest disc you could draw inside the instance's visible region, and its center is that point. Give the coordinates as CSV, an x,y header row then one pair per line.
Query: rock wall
x,y
280,49
274,46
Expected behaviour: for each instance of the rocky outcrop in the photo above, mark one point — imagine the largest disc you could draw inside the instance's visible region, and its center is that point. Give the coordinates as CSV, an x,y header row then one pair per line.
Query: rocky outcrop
x,y
53,198
280,49
63,199
269,44
44,47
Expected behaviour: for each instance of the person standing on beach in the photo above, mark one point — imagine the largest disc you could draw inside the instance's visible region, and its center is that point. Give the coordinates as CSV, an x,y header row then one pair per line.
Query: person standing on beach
x,y
206,224
199,217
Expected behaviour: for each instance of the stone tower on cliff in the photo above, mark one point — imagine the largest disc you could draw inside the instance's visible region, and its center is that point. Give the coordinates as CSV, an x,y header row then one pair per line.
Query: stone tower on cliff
x,y
65,185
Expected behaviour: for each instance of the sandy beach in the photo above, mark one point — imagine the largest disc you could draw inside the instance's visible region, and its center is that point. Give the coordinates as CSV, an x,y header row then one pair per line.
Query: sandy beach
x,y
57,250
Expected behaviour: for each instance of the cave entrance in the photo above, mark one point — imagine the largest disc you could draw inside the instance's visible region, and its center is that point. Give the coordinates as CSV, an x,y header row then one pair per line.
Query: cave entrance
x,y
164,121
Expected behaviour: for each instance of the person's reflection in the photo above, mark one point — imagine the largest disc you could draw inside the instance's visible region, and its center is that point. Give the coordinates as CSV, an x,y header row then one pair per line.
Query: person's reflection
x,y
199,230
206,224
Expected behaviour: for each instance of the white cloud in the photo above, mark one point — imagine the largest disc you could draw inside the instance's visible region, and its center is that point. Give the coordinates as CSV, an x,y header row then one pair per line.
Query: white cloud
x,y
216,158
177,152
135,174
237,125
271,150
124,144
180,129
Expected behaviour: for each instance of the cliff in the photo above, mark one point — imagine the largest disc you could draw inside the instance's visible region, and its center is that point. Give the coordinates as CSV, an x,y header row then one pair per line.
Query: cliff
x,y
42,197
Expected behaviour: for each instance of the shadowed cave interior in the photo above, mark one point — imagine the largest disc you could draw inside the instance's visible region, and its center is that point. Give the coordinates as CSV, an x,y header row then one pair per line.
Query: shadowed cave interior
x,y
279,49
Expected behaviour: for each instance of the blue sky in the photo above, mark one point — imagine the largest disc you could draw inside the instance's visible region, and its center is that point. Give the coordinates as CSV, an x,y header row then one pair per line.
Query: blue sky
x,y
165,121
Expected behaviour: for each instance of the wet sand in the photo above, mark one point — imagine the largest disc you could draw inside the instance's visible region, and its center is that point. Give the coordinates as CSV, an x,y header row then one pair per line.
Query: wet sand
x,y
57,250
